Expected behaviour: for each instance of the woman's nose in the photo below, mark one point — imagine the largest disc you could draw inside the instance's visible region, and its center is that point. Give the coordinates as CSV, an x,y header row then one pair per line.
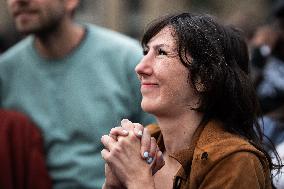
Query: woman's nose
x,y
145,66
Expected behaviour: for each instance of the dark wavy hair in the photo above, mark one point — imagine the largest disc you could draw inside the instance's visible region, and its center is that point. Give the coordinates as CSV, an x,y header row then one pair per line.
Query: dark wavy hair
x,y
220,63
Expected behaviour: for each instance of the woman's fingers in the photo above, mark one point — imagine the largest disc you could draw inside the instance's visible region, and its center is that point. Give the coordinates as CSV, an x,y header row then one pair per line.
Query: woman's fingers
x,y
152,151
138,130
145,144
118,131
127,125
159,162
108,142
134,131
156,157
105,154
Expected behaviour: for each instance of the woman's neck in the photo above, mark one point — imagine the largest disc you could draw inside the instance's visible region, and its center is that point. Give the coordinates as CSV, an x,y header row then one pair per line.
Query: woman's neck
x,y
178,131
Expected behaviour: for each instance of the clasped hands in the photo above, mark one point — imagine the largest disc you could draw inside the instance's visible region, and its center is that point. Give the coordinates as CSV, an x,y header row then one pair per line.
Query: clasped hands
x,y
131,155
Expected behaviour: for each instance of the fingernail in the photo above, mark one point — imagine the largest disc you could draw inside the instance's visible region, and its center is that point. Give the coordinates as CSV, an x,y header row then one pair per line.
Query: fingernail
x,y
124,121
103,136
125,132
146,154
140,133
149,160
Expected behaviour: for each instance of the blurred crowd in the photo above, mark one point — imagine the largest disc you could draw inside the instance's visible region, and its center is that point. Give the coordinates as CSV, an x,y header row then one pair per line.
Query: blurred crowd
x,y
267,61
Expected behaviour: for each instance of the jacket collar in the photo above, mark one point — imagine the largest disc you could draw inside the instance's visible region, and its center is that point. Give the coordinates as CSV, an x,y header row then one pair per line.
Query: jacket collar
x,y
185,156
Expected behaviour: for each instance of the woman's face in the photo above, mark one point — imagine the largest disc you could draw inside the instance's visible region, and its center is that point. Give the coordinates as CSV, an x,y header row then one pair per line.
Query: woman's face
x,y
164,79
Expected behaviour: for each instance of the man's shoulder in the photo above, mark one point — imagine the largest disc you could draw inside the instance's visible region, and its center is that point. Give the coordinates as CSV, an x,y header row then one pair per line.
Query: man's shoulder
x,y
17,50
14,120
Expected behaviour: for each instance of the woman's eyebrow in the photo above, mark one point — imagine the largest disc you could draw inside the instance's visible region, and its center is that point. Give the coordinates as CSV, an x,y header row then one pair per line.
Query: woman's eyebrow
x,y
162,45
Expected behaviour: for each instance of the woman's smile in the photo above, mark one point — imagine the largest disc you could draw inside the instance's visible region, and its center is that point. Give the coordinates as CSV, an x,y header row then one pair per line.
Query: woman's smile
x,y
148,86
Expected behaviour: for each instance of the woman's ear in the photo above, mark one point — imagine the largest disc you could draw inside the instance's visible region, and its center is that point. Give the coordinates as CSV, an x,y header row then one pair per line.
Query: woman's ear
x,y
199,85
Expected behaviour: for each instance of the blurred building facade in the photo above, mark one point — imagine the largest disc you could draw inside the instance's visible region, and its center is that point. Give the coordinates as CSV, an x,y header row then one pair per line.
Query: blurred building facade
x,y
128,16
132,16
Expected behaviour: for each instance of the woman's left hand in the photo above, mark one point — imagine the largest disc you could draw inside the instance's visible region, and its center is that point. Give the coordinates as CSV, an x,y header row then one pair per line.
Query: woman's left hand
x,y
123,157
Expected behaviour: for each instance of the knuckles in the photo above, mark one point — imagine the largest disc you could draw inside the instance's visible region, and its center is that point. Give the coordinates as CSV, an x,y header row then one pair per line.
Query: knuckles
x,y
132,137
117,149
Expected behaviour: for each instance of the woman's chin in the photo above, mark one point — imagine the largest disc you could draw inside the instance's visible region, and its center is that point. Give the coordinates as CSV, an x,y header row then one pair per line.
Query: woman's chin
x,y
148,107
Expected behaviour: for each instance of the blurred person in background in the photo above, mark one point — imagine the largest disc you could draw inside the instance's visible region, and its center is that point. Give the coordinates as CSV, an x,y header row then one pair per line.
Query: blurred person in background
x,y
1,44
22,157
268,65
75,81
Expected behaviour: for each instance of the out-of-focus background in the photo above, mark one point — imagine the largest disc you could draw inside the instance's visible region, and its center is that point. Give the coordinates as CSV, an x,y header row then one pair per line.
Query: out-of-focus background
x,y
131,16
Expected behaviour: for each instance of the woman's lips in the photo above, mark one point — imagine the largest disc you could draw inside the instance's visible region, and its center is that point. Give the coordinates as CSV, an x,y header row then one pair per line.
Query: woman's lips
x,y
148,86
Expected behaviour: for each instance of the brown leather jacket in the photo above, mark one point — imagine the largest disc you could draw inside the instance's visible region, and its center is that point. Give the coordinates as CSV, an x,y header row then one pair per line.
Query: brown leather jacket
x,y
217,159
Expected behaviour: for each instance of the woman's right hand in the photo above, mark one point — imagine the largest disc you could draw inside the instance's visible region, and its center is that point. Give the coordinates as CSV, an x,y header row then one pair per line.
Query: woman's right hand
x,y
149,148
149,151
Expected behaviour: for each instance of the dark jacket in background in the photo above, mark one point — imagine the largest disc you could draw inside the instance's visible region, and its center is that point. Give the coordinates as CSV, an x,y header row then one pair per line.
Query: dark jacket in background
x,y
22,158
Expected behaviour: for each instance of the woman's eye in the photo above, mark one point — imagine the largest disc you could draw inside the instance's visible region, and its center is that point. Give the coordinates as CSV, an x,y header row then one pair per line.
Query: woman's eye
x,y
145,51
161,52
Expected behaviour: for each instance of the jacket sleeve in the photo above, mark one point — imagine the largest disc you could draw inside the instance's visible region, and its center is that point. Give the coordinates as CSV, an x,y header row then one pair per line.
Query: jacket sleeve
x,y
237,171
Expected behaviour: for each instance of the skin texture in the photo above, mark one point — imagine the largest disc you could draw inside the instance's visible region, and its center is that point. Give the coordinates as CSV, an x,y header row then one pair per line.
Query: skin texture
x,y
164,80
148,143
